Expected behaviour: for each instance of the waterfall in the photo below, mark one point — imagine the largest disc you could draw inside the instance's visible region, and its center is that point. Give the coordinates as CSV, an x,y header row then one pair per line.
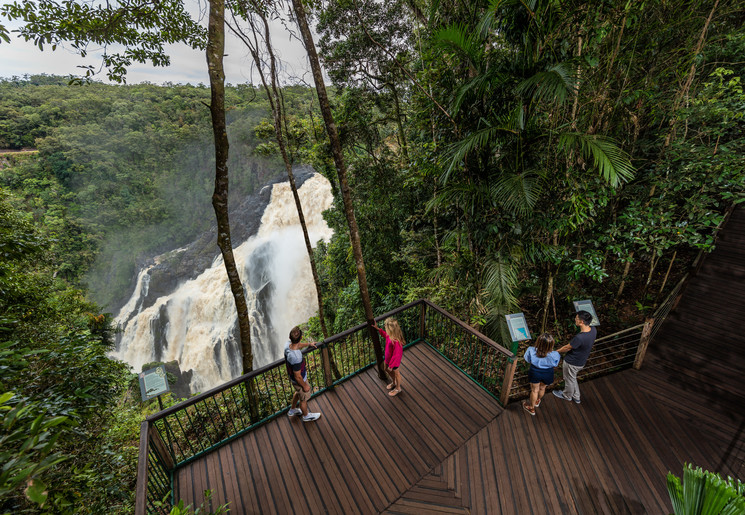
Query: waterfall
x,y
196,323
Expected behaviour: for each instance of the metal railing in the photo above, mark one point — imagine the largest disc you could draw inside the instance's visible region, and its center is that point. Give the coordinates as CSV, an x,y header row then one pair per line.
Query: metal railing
x,y
618,351
184,432
482,359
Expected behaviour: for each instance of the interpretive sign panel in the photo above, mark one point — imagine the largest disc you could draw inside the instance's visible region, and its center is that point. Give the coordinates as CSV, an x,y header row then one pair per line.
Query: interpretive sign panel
x,y
586,305
153,382
518,327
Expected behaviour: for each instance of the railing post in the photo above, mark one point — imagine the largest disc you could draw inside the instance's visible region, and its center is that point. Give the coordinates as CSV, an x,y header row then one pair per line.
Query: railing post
x,y
160,447
141,488
423,321
643,343
509,374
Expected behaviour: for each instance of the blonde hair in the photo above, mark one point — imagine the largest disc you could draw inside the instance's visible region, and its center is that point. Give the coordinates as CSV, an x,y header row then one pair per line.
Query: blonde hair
x,y
394,330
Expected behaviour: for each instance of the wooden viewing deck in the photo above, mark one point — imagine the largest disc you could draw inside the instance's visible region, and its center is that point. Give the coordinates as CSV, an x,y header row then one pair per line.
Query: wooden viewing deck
x,y
446,446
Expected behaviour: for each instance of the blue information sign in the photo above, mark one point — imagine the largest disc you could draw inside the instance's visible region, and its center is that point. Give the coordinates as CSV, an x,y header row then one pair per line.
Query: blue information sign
x,y
586,305
518,327
153,382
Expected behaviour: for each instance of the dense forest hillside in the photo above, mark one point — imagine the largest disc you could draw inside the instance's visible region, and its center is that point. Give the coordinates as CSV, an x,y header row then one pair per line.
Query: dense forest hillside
x,y
502,157
124,172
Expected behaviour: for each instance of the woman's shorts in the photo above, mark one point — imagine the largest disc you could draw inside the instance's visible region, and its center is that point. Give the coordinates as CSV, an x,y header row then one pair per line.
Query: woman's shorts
x,y
540,375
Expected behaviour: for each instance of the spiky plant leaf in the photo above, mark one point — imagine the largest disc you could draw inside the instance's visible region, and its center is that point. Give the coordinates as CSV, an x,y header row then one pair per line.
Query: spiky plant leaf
x,y
478,86
455,37
613,162
457,152
517,192
552,85
500,283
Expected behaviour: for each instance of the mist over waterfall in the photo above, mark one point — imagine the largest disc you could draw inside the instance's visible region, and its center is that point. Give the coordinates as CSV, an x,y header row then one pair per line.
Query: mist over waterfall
x,y
190,316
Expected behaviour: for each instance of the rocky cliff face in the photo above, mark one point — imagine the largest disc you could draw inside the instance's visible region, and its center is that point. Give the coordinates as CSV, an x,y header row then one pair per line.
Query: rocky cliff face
x,y
169,270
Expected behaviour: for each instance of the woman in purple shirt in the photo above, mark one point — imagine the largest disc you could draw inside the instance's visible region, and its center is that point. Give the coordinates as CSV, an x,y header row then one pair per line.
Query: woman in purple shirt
x,y
542,358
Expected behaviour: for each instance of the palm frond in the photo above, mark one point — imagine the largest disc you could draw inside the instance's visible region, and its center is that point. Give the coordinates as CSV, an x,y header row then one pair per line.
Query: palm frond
x,y
552,85
487,21
517,192
613,162
460,149
455,37
500,282
479,86
464,195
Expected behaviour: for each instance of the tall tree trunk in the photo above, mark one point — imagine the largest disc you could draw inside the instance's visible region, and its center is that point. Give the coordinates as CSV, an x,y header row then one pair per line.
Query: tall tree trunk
x,y
341,170
279,115
215,51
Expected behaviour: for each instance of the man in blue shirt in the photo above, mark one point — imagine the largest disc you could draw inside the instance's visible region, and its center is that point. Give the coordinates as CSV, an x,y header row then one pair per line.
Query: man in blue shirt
x,y
578,350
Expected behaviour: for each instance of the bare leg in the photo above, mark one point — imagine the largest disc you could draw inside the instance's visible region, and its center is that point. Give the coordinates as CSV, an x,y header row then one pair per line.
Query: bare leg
x,y
533,394
304,407
391,377
396,383
541,391
295,399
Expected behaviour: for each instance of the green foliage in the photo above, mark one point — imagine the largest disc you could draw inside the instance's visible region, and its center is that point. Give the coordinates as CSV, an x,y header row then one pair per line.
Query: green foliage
x,y
123,173
202,509
68,430
705,493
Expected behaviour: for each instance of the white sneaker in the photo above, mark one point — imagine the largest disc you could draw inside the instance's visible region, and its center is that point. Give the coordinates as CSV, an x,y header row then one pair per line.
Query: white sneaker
x,y
294,411
310,417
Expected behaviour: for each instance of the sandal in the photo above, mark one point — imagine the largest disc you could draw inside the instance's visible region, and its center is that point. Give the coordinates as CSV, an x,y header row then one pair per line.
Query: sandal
x,y
395,392
389,386
537,403
529,409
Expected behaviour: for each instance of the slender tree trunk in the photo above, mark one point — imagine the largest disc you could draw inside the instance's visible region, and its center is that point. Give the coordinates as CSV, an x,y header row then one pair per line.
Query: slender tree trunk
x,y
341,170
623,277
399,123
652,265
215,51
667,274
682,95
547,303
280,119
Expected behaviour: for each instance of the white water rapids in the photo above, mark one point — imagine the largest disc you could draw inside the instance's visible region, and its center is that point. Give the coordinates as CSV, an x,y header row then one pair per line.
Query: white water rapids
x,y
198,322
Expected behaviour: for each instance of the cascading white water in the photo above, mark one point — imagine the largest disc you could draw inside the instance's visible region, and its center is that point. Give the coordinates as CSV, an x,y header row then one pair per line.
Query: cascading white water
x,y
197,323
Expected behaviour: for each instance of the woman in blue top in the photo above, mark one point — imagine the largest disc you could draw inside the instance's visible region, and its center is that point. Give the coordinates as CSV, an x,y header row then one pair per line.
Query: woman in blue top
x,y
542,358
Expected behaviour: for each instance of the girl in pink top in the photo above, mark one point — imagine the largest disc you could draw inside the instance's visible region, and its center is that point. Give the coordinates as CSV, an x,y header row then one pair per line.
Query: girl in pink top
x,y
394,351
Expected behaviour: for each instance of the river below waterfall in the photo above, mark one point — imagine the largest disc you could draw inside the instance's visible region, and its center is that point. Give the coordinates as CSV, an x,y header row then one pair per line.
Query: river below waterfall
x,y
192,318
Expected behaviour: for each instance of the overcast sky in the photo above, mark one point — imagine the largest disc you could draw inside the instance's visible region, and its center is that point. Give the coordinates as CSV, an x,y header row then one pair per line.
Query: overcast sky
x,y
19,58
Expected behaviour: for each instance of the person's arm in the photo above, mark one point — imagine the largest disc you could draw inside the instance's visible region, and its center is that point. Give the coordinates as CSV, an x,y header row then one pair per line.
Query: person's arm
x,y
565,348
302,345
299,378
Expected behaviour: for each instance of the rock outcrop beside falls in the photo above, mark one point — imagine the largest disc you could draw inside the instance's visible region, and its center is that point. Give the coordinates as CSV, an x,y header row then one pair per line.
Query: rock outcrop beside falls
x,y
173,268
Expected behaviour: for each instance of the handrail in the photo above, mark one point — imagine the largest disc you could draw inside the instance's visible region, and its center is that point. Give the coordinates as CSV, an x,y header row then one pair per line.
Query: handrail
x,y
179,434
613,335
468,328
